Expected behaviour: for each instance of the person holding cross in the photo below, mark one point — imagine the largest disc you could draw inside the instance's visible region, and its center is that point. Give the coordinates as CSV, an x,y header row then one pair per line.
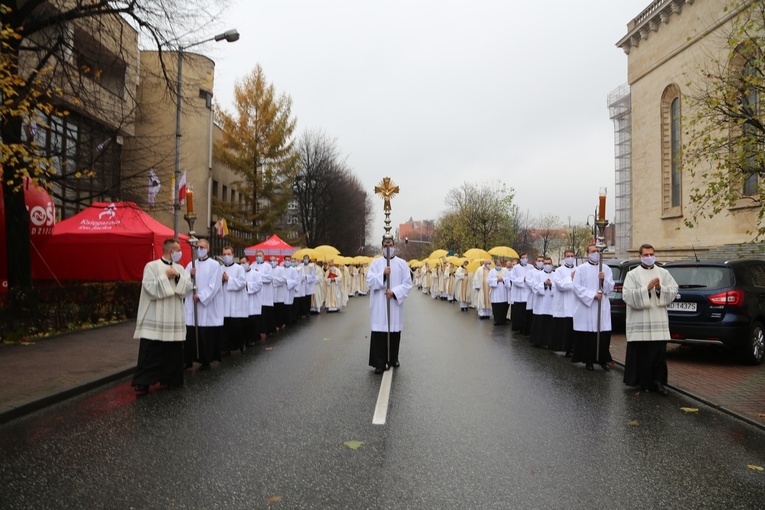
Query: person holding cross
x,y
389,281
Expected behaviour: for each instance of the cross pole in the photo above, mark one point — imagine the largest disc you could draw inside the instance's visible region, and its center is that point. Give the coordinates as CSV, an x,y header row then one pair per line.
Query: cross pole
x,y
386,190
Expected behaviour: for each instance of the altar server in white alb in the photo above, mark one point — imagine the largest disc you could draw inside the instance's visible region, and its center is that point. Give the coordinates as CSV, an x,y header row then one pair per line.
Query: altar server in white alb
x,y
209,306
519,293
648,291
234,303
161,321
253,286
563,305
400,279
587,289
264,269
544,294
499,283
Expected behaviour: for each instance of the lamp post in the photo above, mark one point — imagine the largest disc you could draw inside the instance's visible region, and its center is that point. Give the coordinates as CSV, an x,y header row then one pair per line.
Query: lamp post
x,y
228,36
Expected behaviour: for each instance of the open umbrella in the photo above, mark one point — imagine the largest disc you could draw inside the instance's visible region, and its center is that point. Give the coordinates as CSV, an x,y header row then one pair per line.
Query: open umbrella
x,y
455,261
504,251
477,253
438,254
328,250
306,251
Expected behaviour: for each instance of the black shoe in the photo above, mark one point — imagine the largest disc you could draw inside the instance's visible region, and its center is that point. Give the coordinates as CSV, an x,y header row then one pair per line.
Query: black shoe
x,y
379,370
605,367
142,389
660,389
567,355
395,364
589,367
204,366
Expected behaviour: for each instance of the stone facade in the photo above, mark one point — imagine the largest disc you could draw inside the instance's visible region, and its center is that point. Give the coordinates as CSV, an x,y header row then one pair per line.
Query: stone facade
x,y
666,45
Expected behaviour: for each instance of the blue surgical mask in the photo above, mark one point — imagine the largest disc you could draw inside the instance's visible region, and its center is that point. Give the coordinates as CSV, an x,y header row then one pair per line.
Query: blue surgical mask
x,y
305,262
259,260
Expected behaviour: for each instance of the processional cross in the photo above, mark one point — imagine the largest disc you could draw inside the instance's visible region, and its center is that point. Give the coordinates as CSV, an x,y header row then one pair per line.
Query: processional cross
x,y
386,190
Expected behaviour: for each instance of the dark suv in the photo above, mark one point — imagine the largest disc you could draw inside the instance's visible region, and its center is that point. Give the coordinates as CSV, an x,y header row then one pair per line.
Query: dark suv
x,y
619,268
720,302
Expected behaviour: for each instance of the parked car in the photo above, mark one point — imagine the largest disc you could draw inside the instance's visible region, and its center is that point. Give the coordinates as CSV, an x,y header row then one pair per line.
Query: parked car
x,y
619,268
720,303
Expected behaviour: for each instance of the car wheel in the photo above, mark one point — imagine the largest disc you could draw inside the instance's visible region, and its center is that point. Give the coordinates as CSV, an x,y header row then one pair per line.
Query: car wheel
x,y
754,349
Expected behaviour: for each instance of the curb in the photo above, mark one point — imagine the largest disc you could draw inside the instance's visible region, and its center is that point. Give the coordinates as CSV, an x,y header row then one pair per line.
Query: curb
x,y
32,405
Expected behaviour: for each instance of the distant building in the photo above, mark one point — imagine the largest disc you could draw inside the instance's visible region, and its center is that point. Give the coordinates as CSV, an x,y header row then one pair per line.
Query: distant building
x,y
420,230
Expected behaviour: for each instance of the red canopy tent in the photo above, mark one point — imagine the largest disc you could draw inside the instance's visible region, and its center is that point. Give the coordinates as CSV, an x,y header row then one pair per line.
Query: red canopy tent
x,y
106,241
271,246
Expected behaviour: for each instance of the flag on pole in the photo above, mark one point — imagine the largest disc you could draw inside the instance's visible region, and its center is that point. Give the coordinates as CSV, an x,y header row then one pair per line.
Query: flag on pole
x,y
154,186
182,188
221,227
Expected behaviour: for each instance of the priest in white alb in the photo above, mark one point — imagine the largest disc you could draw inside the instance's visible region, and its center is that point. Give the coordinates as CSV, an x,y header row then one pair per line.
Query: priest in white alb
x,y
648,291
160,324
209,309
388,288
499,283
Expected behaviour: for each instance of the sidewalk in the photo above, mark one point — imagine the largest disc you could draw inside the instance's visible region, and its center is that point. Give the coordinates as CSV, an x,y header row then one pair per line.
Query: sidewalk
x,y
54,369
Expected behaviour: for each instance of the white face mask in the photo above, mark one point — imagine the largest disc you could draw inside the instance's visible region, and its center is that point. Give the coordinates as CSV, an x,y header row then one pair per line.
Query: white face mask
x,y
228,259
540,264
648,261
594,256
389,251
176,256
273,263
524,261
201,252
245,265
548,268
569,261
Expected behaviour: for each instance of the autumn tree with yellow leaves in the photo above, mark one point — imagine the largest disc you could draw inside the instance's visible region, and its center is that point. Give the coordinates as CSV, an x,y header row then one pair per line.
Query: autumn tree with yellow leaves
x,y
258,145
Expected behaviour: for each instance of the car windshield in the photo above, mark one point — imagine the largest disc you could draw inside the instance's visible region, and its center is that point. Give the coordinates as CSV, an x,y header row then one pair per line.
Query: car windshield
x,y
702,277
616,271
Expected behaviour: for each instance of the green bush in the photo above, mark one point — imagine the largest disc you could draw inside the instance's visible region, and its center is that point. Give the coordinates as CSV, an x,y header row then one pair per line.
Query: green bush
x,y
48,308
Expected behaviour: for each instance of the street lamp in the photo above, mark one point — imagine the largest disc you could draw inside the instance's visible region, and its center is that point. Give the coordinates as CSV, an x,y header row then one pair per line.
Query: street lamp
x,y
228,36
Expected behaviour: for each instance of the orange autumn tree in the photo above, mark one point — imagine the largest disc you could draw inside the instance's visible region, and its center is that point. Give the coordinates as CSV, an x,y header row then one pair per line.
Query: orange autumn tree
x,y
258,145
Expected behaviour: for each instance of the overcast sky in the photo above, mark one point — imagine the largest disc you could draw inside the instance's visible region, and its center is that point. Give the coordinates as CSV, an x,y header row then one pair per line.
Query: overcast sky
x,y
437,93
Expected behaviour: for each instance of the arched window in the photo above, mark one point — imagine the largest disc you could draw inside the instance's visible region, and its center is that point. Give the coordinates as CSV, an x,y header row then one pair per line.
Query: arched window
x,y
671,160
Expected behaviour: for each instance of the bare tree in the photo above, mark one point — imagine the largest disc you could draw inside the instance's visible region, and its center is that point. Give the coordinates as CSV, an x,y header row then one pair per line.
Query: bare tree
x,y
549,233
484,212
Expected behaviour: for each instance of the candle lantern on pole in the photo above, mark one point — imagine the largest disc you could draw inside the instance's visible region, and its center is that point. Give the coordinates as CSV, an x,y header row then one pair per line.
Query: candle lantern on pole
x,y
600,224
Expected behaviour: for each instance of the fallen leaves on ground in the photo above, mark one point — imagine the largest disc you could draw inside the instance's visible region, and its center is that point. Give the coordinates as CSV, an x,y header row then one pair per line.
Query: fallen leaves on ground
x,y
354,445
326,339
761,415
690,409
634,422
755,468
273,499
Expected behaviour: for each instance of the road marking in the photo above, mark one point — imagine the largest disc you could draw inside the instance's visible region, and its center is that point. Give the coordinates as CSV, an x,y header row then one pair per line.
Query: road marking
x,y
381,409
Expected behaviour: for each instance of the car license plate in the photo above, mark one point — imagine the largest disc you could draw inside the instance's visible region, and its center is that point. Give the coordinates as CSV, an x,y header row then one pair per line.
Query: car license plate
x,y
682,306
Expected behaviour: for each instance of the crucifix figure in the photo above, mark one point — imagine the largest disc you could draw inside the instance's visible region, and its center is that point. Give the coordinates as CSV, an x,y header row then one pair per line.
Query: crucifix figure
x,y
386,190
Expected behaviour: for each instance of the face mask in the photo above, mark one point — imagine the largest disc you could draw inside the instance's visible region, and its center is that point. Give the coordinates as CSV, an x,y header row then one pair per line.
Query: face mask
x,y
594,256
569,261
498,268
524,261
176,256
389,251
548,268
648,261
259,260
228,259
540,265
305,262
245,265
273,263
287,263
201,253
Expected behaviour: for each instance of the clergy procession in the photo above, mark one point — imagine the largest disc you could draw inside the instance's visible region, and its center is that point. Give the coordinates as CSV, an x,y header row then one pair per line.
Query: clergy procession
x,y
192,317
564,309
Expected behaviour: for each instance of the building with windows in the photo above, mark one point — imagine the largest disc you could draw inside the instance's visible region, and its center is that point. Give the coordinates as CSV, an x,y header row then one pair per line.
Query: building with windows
x,y
666,45
416,231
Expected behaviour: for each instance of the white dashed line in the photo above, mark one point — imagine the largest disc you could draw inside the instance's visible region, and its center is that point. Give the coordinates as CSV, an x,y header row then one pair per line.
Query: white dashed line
x,y
381,409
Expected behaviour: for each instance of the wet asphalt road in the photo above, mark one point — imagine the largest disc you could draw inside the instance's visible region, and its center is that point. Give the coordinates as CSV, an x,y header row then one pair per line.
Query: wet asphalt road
x,y
478,418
